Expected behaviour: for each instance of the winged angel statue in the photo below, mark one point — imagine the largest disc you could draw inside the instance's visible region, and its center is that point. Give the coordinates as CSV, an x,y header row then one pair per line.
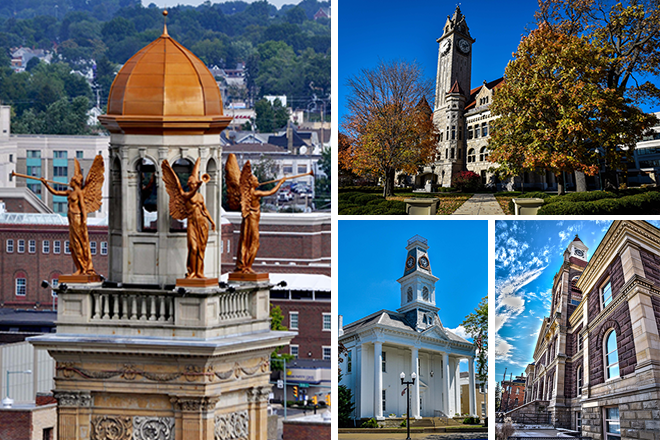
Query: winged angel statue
x,y
190,205
242,194
82,199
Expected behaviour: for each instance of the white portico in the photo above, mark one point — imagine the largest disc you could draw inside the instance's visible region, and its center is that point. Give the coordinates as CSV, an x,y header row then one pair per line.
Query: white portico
x,y
412,339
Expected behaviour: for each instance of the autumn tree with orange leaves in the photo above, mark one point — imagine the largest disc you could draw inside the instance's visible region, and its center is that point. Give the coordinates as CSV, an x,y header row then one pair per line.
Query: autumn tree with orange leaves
x,y
388,124
556,111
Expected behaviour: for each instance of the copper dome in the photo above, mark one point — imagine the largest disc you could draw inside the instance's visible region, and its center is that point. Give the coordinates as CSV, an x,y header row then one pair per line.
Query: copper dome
x,y
164,89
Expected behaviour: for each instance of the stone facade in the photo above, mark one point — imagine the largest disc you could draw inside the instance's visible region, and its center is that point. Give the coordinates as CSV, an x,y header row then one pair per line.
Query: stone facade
x,y
622,306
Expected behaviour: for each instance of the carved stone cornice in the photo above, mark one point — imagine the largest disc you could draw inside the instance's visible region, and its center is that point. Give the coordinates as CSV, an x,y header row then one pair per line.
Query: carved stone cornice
x,y
232,426
195,404
75,399
112,428
258,394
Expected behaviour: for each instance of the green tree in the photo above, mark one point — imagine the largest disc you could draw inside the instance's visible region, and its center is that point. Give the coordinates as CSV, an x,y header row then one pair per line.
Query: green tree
x,y
346,405
34,62
270,117
322,184
476,325
276,319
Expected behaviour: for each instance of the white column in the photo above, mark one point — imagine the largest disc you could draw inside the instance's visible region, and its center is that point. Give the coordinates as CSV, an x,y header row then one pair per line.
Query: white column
x,y
445,374
471,389
414,363
378,380
457,385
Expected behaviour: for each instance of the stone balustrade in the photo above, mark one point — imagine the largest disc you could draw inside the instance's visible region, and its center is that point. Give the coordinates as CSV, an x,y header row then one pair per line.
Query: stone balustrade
x,y
134,307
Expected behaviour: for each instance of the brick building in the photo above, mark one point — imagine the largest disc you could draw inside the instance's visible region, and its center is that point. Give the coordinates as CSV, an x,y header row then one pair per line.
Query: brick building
x,y
513,393
29,421
34,247
597,358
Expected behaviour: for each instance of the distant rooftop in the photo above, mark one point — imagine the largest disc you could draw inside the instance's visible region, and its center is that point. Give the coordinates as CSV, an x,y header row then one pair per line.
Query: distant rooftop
x,y
21,218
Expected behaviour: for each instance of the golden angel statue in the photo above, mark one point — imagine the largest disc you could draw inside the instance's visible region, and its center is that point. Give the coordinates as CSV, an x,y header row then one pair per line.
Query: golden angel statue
x,y
82,199
190,205
242,193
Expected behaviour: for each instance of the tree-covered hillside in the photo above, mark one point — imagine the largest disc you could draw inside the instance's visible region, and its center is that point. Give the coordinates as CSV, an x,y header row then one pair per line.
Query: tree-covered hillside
x,y
286,51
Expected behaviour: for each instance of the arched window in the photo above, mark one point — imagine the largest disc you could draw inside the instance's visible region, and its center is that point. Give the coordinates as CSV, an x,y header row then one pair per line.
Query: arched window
x,y
410,294
483,154
147,196
579,381
471,156
611,356
425,293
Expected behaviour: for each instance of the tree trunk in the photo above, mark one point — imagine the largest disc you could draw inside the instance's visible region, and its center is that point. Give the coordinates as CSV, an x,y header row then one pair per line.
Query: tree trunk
x,y
580,181
388,188
561,190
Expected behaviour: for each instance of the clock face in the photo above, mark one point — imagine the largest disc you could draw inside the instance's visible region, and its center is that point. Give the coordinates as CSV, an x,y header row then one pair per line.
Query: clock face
x,y
463,45
424,262
446,45
410,262
579,253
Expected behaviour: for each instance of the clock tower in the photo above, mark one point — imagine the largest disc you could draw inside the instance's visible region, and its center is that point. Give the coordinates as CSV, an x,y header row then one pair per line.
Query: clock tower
x,y
576,249
418,286
452,91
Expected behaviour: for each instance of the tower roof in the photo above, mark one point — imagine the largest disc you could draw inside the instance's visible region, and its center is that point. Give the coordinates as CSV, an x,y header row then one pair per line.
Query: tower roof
x,y
166,88
577,238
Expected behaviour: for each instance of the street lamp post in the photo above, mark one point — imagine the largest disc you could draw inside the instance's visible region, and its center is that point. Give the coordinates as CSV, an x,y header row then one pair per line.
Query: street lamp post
x,y
407,384
7,402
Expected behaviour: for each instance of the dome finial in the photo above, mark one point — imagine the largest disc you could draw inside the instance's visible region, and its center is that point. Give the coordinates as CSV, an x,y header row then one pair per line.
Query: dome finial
x,y
165,22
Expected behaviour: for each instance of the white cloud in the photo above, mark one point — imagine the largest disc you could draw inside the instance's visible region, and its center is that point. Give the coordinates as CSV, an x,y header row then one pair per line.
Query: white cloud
x,y
503,350
460,331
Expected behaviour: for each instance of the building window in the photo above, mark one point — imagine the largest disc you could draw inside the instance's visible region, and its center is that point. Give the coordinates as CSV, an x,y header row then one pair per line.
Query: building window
x,y
484,129
302,169
59,207
59,154
471,156
21,284
57,245
349,362
477,130
104,248
293,320
327,353
147,215
383,362
578,420
287,168
483,154
34,154
92,247
410,294
21,246
612,424
469,132
384,400
579,342
327,322
611,356
32,246
579,381
34,171
79,154
10,246
67,250
425,293
294,351
53,284
606,294
60,171
45,247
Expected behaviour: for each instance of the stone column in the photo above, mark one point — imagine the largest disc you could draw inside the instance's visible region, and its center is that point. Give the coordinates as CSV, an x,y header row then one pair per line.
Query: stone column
x,y
257,414
378,380
194,417
631,261
73,413
414,363
471,389
645,330
457,385
445,375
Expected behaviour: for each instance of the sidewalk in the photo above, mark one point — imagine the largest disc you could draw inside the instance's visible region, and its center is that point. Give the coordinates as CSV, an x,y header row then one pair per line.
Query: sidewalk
x,y
480,204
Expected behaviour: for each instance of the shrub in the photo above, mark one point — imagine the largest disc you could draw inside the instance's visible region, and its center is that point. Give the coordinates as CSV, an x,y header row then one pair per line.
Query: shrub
x,y
467,181
371,423
403,424
471,421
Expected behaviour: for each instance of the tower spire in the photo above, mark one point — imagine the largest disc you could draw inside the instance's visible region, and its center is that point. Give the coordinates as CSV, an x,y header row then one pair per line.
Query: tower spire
x,y
165,34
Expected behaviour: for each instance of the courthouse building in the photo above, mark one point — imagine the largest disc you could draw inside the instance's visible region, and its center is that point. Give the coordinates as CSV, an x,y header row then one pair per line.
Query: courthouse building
x,y
410,340
597,358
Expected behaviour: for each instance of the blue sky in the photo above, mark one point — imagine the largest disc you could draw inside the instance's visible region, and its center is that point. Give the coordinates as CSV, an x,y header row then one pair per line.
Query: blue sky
x,y
528,254
391,30
372,257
